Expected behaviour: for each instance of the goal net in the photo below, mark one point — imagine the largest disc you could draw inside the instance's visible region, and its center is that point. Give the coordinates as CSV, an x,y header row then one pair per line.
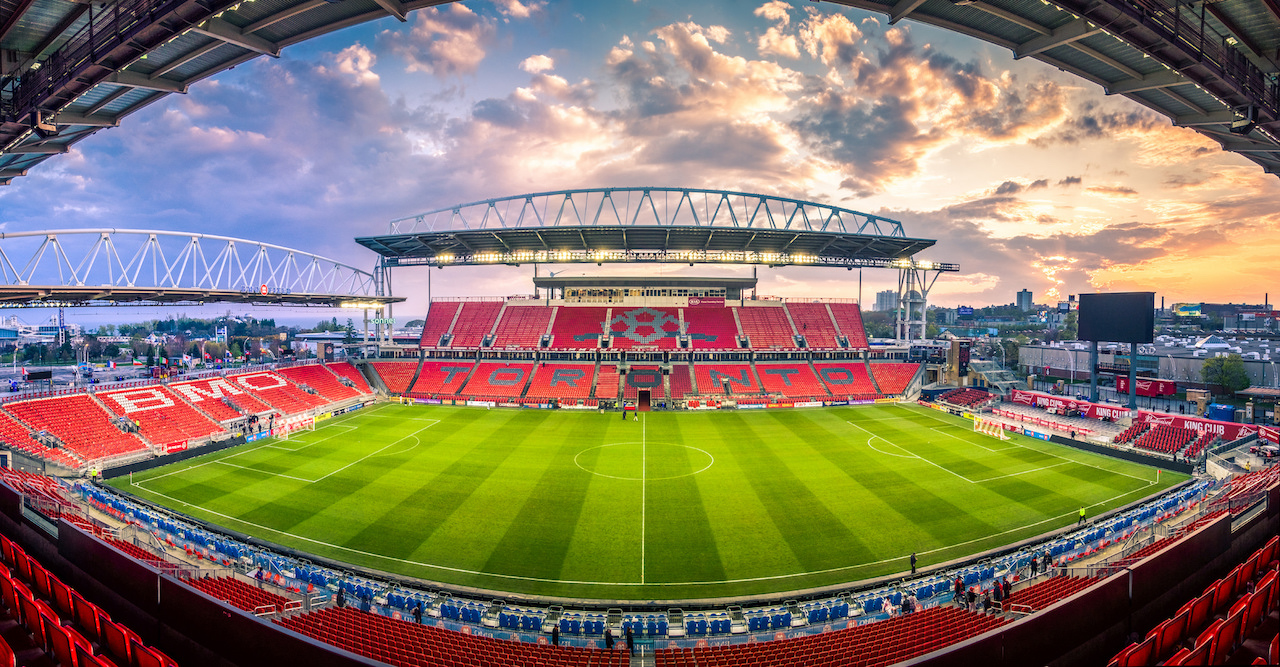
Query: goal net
x,y
989,427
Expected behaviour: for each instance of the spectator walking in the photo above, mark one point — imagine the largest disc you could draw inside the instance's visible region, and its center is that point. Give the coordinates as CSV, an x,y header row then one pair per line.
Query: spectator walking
x,y
417,613
555,635
631,642
959,596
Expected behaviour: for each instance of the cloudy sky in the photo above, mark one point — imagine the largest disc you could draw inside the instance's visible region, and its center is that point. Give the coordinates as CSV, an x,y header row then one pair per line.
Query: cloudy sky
x,y
1028,177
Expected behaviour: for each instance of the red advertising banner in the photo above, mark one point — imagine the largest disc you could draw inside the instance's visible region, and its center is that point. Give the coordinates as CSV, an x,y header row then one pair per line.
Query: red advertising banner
x,y
1047,401
1269,433
706,302
1226,430
1147,386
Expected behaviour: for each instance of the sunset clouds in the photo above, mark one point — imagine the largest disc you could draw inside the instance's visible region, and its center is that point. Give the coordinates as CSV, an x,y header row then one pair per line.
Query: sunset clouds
x,y
1027,176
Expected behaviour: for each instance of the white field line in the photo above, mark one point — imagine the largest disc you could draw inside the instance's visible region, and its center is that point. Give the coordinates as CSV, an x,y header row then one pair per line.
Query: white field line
x,y
644,470
776,577
298,449
909,455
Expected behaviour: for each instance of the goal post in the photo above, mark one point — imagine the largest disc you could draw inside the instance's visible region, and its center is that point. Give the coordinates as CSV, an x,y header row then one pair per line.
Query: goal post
x,y
989,427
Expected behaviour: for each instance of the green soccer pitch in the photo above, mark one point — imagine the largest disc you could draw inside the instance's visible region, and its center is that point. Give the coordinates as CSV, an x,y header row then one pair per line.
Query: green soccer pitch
x,y
677,505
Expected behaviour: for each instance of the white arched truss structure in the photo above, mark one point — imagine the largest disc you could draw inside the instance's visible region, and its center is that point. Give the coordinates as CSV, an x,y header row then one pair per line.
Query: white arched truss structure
x,y
113,266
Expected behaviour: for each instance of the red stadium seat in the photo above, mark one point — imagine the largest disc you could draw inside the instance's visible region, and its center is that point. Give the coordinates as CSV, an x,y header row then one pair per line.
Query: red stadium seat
x,y
522,326
439,319
766,327
710,328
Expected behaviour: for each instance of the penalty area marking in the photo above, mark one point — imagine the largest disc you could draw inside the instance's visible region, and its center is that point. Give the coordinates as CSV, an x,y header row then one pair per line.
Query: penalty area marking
x,y
298,449
413,435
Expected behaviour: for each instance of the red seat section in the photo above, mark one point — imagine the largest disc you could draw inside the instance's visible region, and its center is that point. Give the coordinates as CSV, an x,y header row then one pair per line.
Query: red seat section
x,y
561,381
791,380
80,423
848,379
578,327
766,327
888,642
163,416
396,374
439,319
1165,438
713,378
522,326
643,377
849,320
398,642
278,392
711,328
348,370
498,380
475,321
14,434
813,321
966,397
607,381
320,379
681,383
212,395
441,377
240,594
893,378
645,328
1045,593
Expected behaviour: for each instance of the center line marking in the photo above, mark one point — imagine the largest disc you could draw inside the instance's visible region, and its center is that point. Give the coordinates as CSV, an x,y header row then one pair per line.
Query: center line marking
x,y
644,466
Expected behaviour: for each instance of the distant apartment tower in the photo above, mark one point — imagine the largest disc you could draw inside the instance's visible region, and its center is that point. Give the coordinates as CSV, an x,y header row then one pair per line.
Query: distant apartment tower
x,y
886,300
1024,300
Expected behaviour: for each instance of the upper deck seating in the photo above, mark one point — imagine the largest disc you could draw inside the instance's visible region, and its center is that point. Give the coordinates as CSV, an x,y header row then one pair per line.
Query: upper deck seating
x,y
396,374
645,327
814,323
348,370
849,319
578,327
711,328
561,381
643,377
162,416
80,423
791,380
442,377
475,321
887,642
847,379
522,326
607,381
439,319
400,642
766,327
14,434
893,378
320,379
240,594
493,379
714,378
278,392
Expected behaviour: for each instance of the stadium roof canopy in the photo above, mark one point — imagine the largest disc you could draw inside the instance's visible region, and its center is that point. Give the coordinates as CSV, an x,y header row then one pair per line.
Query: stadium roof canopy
x,y
649,225
77,267
70,68
1210,66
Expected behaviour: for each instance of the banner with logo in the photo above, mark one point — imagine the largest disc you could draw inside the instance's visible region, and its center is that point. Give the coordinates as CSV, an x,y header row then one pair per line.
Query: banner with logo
x,y
1147,386
1269,433
1226,430
1047,401
706,302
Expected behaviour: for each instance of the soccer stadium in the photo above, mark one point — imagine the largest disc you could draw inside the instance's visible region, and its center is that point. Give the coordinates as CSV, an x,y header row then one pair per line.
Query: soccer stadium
x,y
656,469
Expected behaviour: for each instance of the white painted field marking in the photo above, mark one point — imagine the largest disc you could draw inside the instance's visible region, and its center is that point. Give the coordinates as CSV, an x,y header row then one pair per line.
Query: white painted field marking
x,y
908,455
644,469
298,449
514,577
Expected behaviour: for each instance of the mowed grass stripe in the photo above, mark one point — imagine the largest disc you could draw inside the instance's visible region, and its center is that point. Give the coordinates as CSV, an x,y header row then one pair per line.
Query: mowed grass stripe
x,y
799,514
795,498
680,543
536,541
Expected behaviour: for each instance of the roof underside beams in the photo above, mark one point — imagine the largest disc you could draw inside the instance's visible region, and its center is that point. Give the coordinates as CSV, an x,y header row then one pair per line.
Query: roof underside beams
x,y
76,67
694,245
1211,67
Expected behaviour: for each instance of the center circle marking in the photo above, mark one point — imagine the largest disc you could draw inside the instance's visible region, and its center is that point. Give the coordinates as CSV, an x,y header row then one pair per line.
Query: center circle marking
x,y
711,460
